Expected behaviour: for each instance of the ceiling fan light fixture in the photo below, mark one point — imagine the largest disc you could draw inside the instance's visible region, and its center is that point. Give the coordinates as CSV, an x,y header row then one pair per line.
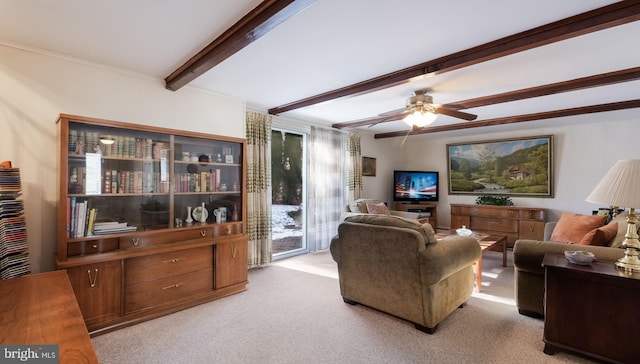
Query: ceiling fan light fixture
x,y
420,118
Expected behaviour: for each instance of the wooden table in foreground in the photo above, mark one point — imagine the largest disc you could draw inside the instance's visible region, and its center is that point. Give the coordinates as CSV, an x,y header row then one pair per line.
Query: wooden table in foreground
x,y
41,309
486,242
591,309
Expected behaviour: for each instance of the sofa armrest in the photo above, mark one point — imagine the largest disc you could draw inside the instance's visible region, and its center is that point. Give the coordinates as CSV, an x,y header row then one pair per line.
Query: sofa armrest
x,y
548,229
448,256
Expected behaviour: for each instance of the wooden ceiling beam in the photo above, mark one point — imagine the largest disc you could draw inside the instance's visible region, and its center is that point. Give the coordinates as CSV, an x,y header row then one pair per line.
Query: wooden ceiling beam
x,y
259,21
605,17
622,105
609,78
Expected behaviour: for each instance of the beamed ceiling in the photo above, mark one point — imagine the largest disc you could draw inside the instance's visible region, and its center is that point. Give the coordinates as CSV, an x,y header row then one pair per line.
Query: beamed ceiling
x,y
348,64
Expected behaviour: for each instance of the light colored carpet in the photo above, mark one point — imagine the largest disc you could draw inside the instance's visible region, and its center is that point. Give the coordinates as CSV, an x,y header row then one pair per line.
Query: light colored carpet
x,y
292,312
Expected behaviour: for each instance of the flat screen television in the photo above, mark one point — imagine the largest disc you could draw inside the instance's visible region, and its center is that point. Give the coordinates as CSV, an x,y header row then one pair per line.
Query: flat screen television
x,y
415,186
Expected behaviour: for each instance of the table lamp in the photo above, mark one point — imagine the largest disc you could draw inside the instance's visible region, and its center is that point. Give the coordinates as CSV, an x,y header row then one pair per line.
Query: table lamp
x,y
620,187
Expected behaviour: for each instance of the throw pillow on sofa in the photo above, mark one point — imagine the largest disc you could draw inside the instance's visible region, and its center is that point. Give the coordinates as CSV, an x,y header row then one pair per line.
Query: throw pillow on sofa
x,y
378,208
571,228
360,205
600,236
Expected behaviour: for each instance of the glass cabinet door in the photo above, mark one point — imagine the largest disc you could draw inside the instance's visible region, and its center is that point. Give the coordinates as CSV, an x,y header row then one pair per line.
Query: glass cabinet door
x,y
207,179
118,180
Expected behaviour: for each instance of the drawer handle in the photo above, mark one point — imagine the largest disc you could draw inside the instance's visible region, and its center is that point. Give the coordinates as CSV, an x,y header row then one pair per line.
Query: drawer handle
x,y
135,241
203,233
234,251
173,286
94,246
93,280
173,261
531,228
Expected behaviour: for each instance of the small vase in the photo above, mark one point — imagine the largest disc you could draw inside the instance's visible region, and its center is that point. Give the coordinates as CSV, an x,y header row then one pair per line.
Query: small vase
x,y
188,220
203,214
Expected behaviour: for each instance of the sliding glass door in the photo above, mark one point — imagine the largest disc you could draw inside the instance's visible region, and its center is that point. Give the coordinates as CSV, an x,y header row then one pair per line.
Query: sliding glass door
x,y
288,181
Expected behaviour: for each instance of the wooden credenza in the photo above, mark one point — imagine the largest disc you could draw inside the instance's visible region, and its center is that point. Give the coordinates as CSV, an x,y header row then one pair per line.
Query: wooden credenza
x,y
41,309
512,221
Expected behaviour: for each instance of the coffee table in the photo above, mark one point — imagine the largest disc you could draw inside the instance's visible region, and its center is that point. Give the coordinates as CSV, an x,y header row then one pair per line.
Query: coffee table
x,y
486,241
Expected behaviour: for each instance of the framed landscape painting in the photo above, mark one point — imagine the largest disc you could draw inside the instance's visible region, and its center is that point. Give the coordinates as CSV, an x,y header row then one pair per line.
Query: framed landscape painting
x,y
513,167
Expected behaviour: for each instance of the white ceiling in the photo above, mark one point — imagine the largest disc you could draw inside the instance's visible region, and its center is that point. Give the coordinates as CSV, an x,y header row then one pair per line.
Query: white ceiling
x,y
335,43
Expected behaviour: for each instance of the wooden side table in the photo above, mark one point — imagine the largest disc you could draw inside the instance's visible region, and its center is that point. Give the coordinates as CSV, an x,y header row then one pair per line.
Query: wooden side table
x,y
591,309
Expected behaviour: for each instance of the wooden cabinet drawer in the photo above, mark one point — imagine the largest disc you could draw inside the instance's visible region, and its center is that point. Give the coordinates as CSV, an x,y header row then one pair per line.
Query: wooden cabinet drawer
x,y
158,266
534,214
494,212
88,247
227,229
168,290
533,230
163,237
487,223
97,288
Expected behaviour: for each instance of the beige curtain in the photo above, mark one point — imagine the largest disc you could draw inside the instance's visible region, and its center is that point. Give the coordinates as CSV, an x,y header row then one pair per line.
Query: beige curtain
x,y
258,132
327,175
354,162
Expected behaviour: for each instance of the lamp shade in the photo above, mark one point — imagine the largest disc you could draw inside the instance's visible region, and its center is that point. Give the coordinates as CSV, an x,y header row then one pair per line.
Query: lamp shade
x,y
620,187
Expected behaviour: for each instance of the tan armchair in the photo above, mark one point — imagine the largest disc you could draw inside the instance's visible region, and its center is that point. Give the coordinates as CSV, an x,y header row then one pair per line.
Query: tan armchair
x,y
395,265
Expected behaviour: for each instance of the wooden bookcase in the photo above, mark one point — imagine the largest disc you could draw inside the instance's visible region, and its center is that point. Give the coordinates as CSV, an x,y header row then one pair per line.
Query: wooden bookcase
x,y
136,227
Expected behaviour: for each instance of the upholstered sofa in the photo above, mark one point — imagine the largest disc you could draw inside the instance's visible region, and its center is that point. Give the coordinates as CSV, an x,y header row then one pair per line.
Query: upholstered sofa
x,y
528,255
397,266
368,205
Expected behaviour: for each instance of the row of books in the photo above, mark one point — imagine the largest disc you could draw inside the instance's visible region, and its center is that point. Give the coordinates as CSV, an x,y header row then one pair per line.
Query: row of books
x,y
81,142
82,221
198,182
114,181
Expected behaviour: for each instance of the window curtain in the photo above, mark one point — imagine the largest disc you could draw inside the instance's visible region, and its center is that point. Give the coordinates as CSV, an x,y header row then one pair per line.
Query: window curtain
x,y
326,186
258,133
354,162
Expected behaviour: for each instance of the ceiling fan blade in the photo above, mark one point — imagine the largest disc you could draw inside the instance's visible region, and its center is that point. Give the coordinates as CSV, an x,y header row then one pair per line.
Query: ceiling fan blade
x,y
455,113
393,112
391,117
450,106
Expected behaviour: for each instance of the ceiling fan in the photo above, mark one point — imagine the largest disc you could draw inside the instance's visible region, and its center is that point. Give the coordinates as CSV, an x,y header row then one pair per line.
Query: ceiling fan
x,y
420,111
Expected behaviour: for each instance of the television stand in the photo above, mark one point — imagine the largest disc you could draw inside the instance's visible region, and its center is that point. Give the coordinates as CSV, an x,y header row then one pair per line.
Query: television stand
x,y
429,210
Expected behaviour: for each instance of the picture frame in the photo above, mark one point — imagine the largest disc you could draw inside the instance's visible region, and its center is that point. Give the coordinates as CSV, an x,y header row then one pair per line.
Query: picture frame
x,y
368,166
228,158
511,167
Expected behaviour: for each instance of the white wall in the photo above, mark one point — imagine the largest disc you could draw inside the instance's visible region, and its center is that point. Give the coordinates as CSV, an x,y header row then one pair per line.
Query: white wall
x,y
585,148
35,88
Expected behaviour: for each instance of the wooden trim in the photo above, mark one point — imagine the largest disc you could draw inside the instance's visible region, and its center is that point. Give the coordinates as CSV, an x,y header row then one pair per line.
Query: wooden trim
x,y
591,21
622,105
255,24
145,128
630,74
